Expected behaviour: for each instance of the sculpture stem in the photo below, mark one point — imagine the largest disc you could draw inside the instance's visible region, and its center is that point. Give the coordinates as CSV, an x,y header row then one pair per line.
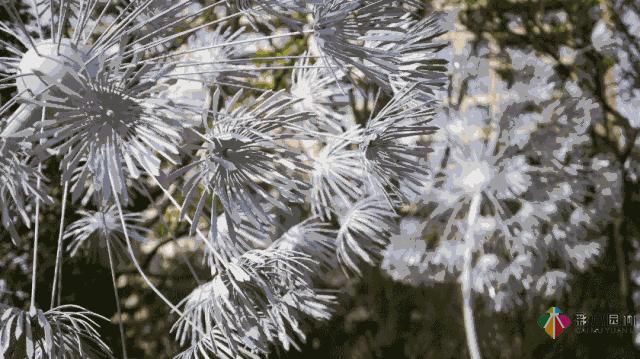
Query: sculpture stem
x,y
466,280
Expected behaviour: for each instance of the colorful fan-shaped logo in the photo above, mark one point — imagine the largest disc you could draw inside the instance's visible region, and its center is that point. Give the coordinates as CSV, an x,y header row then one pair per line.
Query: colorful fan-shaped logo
x,y
554,322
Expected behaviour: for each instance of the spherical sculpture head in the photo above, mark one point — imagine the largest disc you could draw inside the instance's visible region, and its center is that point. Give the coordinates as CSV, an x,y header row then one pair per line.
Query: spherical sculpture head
x,y
47,64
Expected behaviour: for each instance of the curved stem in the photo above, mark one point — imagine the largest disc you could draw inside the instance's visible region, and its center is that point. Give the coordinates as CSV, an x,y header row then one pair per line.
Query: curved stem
x,y
133,257
56,272
137,265
465,278
34,266
174,239
187,218
117,295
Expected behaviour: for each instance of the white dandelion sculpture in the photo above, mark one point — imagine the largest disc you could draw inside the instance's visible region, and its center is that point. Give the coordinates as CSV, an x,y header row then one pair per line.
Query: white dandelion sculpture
x,y
105,225
512,207
66,331
20,182
321,93
242,149
278,184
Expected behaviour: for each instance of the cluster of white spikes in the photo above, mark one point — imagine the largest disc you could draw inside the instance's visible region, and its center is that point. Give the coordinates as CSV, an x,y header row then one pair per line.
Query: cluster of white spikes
x,y
127,93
